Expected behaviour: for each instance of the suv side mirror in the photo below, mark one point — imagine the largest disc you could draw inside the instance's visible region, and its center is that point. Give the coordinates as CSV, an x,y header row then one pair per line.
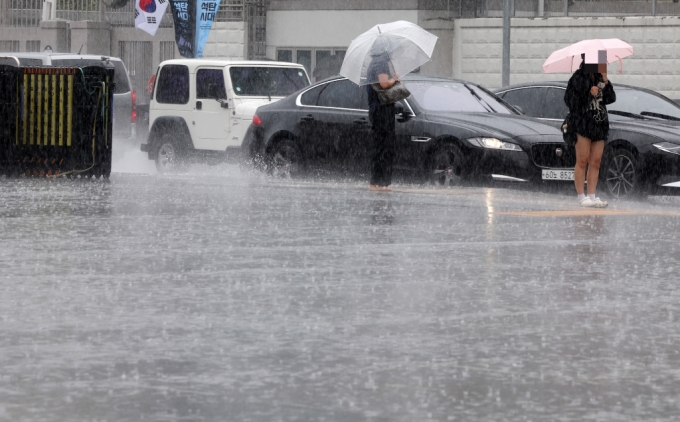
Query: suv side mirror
x,y
215,92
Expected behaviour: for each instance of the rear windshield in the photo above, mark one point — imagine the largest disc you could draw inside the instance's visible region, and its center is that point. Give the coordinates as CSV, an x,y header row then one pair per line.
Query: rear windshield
x,y
120,74
30,62
267,81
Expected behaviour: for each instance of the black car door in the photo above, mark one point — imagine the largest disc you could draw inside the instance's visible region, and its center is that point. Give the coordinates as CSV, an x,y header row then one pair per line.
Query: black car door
x,y
346,124
411,139
311,126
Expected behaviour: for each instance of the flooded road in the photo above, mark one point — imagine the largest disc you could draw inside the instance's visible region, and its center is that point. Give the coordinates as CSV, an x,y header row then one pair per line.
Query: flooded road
x,y
218,295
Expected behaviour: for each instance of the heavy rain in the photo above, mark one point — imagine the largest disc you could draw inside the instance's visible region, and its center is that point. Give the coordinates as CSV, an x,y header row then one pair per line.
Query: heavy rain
x,y
218,295
271,283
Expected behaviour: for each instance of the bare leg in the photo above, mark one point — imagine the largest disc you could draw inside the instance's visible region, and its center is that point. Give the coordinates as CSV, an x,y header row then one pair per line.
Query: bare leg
x,y
596,149
582,157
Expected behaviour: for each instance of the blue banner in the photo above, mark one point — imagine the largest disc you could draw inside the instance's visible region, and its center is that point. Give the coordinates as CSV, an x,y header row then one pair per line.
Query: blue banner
x,y
206,10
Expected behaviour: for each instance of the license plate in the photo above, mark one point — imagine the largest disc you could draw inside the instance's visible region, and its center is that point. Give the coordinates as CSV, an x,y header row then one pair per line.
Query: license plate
x,y
558,174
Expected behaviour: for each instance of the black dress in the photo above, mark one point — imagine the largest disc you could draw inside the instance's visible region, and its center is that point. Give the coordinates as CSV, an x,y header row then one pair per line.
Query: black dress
x,y
587,113
382,118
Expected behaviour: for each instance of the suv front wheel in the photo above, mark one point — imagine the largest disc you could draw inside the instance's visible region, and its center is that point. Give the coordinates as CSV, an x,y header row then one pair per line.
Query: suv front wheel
x,y
170,157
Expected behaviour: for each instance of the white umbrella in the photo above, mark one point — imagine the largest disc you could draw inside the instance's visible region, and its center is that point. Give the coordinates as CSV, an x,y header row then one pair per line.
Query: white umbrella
x,y
407,45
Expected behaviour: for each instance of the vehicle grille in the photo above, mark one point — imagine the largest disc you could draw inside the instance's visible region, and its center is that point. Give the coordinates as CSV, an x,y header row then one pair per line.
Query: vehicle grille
x,y
545,155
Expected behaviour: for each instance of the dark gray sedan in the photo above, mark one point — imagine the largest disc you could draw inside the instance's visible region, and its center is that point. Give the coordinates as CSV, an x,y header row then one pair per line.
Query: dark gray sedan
x,y
643,149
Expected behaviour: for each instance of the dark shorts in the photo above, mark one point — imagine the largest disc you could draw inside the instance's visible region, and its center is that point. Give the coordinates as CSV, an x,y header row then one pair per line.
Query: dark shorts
x,y
591,140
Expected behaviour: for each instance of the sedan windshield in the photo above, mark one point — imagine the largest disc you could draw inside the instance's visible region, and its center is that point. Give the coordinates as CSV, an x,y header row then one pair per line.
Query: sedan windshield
x,y
639,102
454,96
267,81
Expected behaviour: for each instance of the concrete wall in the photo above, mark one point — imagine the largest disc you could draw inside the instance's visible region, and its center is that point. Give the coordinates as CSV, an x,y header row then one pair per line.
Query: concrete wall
x,y
132,34
477,49
91,37
325,28
53,33
337,28
226,40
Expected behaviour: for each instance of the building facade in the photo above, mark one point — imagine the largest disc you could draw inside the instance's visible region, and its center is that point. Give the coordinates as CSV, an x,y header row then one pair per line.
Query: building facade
x,y
310,31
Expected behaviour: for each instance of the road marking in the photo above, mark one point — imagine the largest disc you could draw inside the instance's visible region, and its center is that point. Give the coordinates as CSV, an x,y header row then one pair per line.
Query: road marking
x,y
578,213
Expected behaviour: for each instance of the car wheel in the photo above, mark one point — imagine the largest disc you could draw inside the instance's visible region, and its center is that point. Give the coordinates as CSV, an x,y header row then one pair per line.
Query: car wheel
x,y
446,166
620,174
285,160
169,158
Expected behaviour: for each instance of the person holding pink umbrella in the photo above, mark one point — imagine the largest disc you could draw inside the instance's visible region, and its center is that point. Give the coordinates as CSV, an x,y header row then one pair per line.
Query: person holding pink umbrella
x,y
588,92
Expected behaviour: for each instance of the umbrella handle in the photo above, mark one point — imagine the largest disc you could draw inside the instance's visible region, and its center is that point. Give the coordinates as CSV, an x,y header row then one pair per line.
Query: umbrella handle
x,y
620,64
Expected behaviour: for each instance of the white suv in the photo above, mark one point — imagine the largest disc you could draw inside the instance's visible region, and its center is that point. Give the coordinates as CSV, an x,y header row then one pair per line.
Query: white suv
x,y
201,108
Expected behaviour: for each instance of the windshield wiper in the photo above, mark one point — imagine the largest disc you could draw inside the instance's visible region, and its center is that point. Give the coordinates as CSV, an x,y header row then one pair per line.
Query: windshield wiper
x,y
659,115
474,94
627,114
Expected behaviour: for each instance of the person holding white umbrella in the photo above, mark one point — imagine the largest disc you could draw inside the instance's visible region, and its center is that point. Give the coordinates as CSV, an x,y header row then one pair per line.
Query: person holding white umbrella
x,y
382,118
376,58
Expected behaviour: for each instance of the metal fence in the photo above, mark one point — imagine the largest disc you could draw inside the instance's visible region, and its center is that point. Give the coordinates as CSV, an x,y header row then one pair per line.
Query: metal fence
x,y
552,8
28,13
574,8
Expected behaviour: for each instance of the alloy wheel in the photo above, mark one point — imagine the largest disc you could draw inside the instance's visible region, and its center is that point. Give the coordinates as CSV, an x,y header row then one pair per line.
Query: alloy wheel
x,y
620,176
444,172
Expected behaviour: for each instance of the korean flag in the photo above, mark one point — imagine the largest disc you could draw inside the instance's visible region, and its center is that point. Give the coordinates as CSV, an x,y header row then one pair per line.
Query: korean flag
x,y
148,14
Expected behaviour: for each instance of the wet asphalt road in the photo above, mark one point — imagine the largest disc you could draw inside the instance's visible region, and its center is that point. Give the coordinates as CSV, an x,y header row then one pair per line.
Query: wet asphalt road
x,y
218,295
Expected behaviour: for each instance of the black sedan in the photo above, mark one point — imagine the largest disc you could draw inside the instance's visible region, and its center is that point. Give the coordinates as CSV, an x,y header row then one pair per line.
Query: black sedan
x,y
447,129
643,149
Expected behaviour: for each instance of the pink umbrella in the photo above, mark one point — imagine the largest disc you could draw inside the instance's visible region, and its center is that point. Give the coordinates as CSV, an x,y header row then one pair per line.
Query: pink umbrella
x,y
568,59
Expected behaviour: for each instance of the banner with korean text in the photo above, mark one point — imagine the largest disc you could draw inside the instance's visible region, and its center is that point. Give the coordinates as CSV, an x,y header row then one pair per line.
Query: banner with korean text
x,y
204,20
184,18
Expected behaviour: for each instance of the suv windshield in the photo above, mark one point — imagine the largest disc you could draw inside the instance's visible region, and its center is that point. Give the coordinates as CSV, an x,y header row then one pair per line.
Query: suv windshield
x,y
267,81
454,96
638,102
120,74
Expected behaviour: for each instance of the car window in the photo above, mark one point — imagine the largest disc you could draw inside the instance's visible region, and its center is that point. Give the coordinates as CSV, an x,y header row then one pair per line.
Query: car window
x,y
453,96
344,94
265,81
311,97
529,99
635,101
173,85
555,108
120,75
210,84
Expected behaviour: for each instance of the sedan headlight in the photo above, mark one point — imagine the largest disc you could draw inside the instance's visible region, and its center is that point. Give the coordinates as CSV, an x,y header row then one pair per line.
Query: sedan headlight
x,y
669,147
493,143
